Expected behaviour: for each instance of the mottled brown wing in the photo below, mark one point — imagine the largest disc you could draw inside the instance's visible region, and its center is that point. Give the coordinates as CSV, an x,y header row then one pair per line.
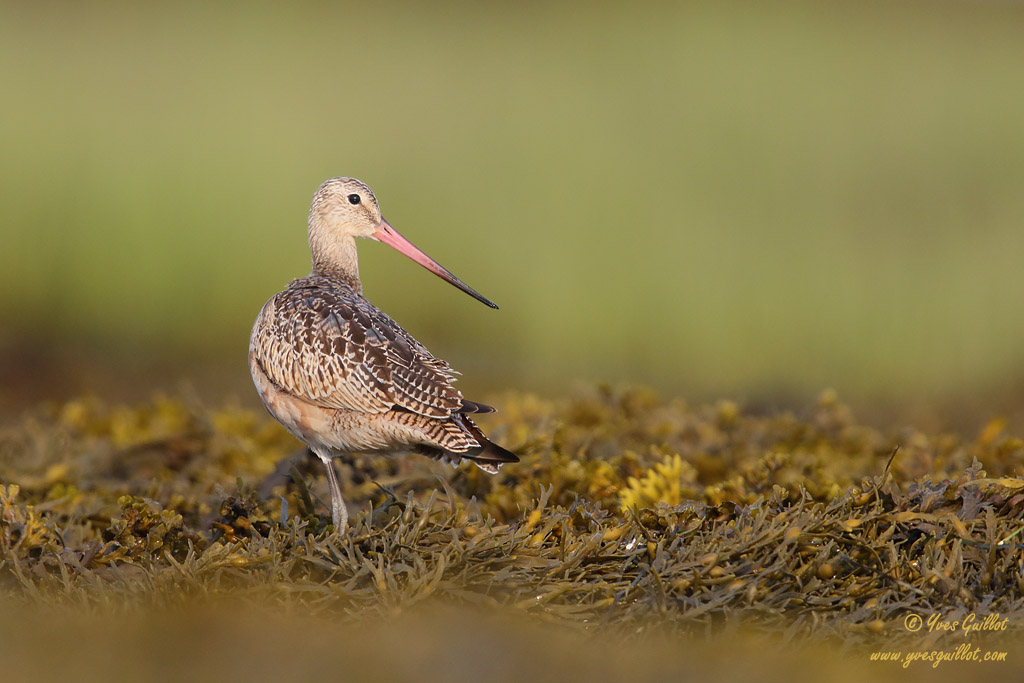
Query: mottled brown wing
x,y
329,346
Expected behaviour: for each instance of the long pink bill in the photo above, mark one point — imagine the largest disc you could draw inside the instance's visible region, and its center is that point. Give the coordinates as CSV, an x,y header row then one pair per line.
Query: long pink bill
x,y
391,237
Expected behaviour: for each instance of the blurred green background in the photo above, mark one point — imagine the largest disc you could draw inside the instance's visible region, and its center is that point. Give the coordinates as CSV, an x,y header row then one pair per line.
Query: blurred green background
x,y
722,199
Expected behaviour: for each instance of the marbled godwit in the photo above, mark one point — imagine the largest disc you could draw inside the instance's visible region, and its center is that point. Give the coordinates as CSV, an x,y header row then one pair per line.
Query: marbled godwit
x,y
340,374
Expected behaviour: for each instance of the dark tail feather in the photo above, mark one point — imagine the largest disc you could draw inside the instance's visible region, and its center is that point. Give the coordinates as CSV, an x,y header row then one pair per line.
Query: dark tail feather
x,y
493,453
474,407
491,456
465,408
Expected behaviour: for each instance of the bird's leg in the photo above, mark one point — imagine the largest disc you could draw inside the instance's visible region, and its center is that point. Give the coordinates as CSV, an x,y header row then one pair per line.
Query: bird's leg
x,y
339,513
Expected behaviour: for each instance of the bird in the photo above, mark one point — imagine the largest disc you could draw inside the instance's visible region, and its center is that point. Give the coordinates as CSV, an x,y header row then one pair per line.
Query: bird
x,y
340,374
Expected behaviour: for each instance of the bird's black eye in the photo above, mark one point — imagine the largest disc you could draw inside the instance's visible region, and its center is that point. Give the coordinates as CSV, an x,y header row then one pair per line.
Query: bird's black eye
x,y
354,199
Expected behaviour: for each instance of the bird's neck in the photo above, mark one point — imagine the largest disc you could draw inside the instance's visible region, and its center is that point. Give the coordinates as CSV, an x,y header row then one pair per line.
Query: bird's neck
x,y
336,258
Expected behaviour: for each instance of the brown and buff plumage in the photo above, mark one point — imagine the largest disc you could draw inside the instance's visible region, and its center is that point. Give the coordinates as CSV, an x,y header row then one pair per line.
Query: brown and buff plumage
x,y
340,374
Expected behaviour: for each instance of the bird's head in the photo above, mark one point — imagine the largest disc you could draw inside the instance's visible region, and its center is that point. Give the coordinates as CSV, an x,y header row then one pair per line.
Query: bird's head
x,y
344,208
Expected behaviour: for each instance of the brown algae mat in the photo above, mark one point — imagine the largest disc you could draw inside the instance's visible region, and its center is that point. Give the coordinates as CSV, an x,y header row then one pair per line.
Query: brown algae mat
x,y
629,514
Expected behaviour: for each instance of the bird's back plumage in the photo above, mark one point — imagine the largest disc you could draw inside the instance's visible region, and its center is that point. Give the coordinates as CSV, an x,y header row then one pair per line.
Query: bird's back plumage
x,y
322,343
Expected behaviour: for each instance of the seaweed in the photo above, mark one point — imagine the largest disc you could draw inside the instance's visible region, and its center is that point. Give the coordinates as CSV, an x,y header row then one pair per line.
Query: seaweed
x,y
627,512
